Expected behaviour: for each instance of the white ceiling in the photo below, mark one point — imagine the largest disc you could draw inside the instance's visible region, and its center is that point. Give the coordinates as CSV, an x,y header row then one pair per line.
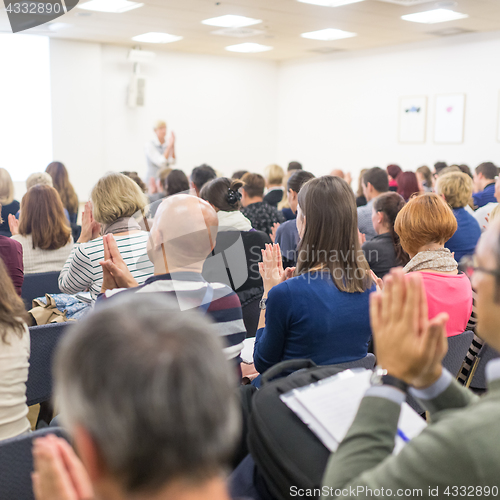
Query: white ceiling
x,y
377,24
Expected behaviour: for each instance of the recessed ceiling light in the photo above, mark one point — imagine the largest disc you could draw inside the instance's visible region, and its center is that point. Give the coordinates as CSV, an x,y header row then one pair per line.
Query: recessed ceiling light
x,y
155,37
328,34
58,26
434,16
249,47
115,6
230,21
330,3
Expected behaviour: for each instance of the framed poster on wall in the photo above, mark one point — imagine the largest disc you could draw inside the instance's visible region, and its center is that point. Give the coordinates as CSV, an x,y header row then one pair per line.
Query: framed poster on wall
x,y
412,119
449,119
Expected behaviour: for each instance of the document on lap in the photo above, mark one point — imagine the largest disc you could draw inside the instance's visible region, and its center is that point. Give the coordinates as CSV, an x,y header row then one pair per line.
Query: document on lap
x,y
329,407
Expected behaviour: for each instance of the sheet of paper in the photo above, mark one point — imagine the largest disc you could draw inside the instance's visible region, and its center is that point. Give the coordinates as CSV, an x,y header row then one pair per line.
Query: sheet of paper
x,y
247,351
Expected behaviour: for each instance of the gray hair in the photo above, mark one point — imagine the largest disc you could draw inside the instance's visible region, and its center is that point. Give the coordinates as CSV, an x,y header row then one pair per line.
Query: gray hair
x,y
39,178
153,388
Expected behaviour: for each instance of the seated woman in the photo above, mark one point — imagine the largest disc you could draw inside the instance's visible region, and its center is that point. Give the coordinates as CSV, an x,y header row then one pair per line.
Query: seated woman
x,y
383,252
114,201
11,252
42,230
223,195
274,184
14,355
424,225
287,236
63,186
7,202
456,189
322,313
408,185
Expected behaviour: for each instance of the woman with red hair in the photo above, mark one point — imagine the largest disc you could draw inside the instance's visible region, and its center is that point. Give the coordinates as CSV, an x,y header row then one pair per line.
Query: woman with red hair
x,y
407,185
393,172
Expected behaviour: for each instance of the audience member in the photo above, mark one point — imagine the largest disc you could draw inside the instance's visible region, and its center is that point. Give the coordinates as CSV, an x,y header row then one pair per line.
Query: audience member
x,y
448,170
482,214
383,252
159,152
115,199
274,175
294,165
224,196
65,189
14,364
466,170
287,235
157,189
238,174
424,177
360,197
484,184
308,316
176,182
150,405
393,172
424,225
438,166
39,178
375,181
336,172
11,252
42,230
262,215
183,234
284,204
407,185
135,177
7,202
200,176
458,450
456,190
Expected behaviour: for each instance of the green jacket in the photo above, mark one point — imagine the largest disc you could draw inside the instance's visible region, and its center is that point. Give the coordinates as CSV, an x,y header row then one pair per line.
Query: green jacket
x,y
460,448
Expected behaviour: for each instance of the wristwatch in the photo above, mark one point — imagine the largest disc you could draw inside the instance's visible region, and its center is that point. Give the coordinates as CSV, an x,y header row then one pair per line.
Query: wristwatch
x,y
262,303
380,377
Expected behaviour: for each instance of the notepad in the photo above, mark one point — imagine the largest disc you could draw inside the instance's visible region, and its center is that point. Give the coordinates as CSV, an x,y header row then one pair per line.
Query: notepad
x,y
84,297
247,351
329,407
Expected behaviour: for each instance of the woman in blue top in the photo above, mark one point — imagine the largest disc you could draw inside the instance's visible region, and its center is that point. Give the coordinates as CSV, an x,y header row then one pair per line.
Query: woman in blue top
x,y
322,312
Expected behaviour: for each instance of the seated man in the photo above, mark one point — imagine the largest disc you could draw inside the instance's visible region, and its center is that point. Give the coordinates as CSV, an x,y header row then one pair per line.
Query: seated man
x,y
458,452
131,382
484,184
182,236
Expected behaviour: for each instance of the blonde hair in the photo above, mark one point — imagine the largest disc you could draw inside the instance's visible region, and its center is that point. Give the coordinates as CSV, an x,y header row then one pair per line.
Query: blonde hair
x,y
274,174
159,124
456,187
6,188
116,196
42,178
494,214
284,203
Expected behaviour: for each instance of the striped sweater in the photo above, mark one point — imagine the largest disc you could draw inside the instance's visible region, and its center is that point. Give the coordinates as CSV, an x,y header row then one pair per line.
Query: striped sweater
x,y
190,290
82,270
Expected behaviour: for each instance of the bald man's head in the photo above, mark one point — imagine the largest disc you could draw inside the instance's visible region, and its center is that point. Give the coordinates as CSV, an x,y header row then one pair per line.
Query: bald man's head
x,y
337,173
183,232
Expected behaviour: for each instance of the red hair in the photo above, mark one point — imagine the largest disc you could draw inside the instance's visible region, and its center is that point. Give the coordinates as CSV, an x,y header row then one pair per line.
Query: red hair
x,y
407,185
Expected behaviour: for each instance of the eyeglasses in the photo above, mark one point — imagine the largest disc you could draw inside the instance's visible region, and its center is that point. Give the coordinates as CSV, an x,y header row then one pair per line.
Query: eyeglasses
x,y
468,265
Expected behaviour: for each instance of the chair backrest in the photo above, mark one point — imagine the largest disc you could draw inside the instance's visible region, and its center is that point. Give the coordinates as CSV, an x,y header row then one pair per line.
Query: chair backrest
x,y
458,347
486,354
367,362
37,285
44,340
250,300
16,464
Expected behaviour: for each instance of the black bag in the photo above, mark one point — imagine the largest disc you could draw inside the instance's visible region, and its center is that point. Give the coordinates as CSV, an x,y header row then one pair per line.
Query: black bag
x,y
285,451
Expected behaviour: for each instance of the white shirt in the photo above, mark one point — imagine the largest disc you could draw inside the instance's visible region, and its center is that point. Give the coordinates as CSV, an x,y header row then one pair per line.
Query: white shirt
x,y
155,158
481,213
14,367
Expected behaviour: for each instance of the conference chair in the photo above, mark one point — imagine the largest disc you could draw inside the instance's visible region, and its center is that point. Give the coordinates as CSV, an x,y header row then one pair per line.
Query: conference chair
x,y
37,285
16,464
477,377
44,340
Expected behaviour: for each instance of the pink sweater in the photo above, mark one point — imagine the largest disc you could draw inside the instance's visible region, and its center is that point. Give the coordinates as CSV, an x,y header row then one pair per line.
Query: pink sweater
x,y
451,294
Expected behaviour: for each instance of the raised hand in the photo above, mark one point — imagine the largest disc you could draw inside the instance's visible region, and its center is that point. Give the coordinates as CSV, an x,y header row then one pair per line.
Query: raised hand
x,y
271,267
13,224
90,228
114,266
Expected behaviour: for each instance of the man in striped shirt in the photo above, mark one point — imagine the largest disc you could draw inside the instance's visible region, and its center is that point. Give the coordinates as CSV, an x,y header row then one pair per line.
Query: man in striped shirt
x,y
182,236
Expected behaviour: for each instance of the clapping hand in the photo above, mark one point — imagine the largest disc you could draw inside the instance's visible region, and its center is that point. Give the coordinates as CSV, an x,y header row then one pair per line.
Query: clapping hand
x,y
407,344
90,228
13,225
271,268
59,474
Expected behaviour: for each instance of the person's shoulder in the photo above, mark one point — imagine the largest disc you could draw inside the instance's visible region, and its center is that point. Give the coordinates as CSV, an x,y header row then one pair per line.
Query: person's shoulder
x,y
11,242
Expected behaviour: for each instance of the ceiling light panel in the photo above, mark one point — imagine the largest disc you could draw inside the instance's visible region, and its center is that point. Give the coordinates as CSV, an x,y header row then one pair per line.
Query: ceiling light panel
x,y
114,6
155,37
330,3
248,48
230,21
328,34
434,16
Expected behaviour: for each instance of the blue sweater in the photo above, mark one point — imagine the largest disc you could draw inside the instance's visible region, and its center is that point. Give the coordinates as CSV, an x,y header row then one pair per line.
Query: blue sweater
x,y
468,232
308,317
487,195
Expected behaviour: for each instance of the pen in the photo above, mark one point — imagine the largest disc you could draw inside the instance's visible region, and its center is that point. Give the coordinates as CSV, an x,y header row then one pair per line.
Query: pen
x,y
403,436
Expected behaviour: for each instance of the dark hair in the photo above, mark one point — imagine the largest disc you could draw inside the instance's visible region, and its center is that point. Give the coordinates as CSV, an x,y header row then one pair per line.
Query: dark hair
x,y
465,169
426,173
12,311
407,185
328,202
42,216
60,179
389,204
223,193
294,165
135,177
488,169
254,185
394,171
438,166
202,174
378,178
239,174
298,179
176,182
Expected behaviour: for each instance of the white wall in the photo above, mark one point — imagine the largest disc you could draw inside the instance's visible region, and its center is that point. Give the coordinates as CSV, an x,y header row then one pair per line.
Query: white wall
x,y
342,111
223,110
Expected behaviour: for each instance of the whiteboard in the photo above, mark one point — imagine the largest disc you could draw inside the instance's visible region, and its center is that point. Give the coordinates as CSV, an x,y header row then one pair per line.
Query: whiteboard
x,y
412,119
449,117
